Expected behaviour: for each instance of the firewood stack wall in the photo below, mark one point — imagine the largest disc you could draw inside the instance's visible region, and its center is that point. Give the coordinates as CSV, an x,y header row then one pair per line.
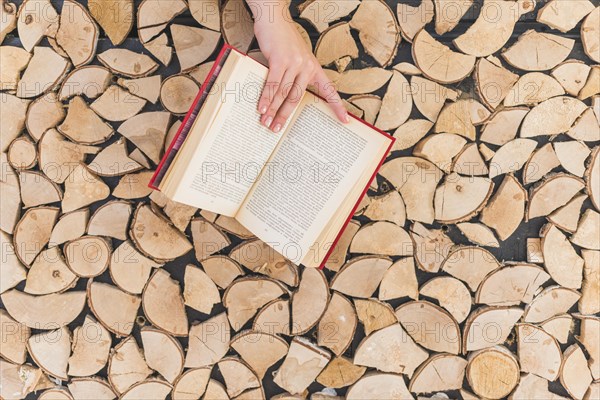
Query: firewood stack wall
x,y
471,270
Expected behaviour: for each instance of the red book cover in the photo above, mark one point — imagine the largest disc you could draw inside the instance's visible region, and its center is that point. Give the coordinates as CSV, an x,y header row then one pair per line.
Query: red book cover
x,y
190,117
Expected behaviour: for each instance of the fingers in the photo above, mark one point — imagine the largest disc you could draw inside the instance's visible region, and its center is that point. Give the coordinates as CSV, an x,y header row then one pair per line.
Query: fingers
x,y
291,101
286,87
273,80
326,89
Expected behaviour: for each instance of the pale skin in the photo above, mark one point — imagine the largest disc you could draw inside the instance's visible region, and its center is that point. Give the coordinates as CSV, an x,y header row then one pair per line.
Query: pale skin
x,y
292,66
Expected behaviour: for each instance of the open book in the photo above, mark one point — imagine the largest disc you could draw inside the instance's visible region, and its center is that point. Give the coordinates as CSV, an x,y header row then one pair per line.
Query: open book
x,y
295,190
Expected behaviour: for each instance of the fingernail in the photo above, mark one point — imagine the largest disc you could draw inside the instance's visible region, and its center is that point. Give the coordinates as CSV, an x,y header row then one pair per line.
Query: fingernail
x,y
263,109
347,118
268,121
277,128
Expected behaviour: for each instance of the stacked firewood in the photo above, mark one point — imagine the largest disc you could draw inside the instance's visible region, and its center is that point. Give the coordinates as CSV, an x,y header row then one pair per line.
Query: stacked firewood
x,y
471,269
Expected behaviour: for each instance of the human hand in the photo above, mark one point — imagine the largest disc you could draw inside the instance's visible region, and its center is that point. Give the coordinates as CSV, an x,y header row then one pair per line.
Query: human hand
x,y
292,67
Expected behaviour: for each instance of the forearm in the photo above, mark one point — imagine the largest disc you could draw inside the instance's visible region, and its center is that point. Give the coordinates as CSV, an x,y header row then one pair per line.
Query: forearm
x,y
269,11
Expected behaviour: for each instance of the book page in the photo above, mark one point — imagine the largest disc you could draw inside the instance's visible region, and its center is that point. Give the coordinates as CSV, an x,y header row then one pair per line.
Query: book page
x,y
327,239
235,147
311,173
206,115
